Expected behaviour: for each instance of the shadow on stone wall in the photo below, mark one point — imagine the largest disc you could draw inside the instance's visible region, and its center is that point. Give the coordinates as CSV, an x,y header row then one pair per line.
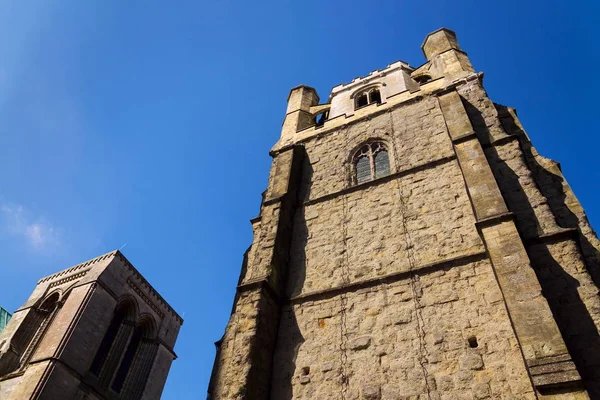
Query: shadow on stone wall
x,y
559,287
297,263
305,181
290,337
289,341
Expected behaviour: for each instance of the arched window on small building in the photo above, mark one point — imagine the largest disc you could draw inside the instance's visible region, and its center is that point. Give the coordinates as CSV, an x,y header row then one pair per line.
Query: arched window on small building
x,y
362,100
41,319
114,341
374,96
371,161
136,364
369,96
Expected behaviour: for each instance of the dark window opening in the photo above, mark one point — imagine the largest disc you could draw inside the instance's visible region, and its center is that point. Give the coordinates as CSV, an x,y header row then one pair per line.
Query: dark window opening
x,y
369,96
107,341
321,118
305,371
375,97
362,100
42,318
127,360
421,79
49,305
473,342
370,162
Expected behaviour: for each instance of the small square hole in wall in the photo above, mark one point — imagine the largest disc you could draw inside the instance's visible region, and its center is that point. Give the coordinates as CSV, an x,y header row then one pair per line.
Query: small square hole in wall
x,y
473,342
305,371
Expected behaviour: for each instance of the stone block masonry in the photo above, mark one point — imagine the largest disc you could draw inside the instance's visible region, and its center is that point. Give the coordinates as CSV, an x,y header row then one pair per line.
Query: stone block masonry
x,y
461,266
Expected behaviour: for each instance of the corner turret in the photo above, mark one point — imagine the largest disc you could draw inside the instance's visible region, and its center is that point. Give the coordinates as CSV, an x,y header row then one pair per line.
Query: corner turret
x,y
445,56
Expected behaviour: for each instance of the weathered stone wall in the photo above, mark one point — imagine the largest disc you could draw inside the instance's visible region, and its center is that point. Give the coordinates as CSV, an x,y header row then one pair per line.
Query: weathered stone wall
x,y
402,340
230,380
415,133
560,243
573,298
365,229
518,186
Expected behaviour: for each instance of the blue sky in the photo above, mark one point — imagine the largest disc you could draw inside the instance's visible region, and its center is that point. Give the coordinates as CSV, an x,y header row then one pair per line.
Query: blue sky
x,y
147,125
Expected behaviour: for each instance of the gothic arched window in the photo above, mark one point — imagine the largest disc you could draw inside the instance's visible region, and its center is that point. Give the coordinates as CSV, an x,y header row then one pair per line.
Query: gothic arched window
x,y
370,162
367,97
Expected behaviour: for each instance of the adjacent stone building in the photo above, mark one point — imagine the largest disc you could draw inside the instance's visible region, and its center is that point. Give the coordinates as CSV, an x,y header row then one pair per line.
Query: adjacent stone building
x,y
97,330
412,244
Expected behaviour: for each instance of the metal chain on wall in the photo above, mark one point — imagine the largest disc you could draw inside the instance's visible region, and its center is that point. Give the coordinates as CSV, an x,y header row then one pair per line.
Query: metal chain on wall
x,y
345,269
413,286
423,354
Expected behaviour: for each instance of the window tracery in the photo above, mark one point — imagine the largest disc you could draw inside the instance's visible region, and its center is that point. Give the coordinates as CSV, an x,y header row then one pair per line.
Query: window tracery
x,y
370,162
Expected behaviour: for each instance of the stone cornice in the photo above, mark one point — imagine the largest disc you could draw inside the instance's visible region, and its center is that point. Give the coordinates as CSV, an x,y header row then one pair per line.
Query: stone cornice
x,y
390,278
262,284
555,236
495,219
69,278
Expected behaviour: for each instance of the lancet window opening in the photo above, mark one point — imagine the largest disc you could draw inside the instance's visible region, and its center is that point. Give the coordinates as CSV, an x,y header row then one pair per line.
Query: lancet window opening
x,y
108,341
370,162
134,369
126,353
127,360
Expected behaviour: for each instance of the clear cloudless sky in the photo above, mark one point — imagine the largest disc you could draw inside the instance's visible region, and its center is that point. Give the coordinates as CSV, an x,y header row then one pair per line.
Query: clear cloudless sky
x,y
147,124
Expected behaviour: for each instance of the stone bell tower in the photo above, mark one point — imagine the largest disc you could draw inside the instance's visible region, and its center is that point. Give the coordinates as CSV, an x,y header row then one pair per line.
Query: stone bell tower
x,y
97,330
412,244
